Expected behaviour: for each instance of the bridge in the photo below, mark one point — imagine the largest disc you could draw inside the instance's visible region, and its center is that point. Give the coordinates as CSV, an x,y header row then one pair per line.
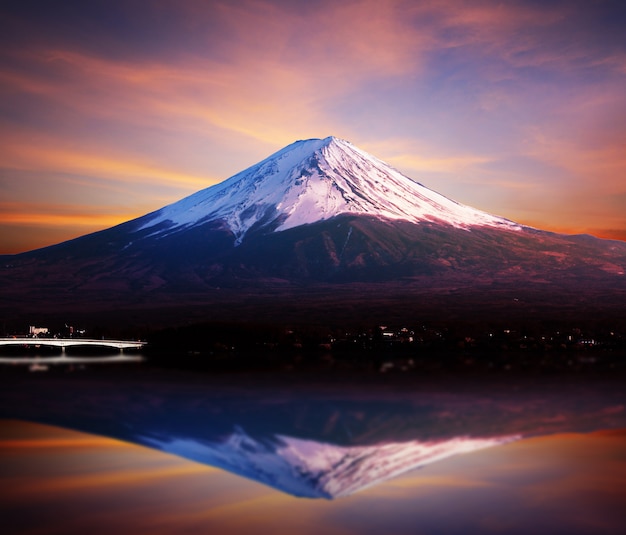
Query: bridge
x,y
69,342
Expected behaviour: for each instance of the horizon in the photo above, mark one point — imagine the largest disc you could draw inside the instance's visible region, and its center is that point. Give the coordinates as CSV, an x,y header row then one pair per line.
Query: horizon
x,y
269,157
112,110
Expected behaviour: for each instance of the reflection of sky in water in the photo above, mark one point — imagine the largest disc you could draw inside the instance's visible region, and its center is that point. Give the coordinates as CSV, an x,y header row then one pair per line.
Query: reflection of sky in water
x,y
60,481
316,439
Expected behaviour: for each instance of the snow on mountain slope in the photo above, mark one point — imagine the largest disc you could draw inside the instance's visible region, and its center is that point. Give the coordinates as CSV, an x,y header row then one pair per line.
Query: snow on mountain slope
x,y
311,469
310,181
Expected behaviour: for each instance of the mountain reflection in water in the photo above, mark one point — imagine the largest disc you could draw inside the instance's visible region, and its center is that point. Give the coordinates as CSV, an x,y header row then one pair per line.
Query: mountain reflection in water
x,y
309,438
312,469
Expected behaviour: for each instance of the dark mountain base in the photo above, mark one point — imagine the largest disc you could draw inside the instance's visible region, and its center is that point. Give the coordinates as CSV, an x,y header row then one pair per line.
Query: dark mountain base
x,y
439,301
350,271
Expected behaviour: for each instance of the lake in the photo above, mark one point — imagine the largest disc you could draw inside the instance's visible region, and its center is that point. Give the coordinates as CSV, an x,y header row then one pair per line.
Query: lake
x,y
134,448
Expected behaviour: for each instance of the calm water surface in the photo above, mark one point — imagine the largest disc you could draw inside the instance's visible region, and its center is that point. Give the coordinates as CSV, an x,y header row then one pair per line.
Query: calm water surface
x,y
146,451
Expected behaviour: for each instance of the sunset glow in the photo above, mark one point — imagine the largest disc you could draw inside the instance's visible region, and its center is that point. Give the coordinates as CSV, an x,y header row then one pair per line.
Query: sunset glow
x,y
110,110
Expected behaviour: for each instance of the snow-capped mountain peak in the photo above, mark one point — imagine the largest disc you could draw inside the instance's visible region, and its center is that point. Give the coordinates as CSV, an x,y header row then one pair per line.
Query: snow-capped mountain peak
x,y
314,180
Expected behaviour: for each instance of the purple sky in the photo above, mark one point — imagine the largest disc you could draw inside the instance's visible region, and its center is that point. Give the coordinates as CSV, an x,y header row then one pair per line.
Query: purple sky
x,y
109,110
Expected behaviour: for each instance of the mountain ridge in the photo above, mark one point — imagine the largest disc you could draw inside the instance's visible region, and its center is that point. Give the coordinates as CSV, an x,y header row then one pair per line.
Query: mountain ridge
x,y
283,230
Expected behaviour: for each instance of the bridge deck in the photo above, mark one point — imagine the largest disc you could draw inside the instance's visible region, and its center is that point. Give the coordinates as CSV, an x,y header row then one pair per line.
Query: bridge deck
x,y
68,342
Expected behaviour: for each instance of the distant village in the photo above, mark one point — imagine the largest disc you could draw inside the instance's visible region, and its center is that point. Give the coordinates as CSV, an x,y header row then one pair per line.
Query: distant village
x,y
68,331
386,348
382,348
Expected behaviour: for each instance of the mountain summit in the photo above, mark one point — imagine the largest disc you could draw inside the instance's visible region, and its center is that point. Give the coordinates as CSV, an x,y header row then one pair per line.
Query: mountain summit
x,y
318,228
310,181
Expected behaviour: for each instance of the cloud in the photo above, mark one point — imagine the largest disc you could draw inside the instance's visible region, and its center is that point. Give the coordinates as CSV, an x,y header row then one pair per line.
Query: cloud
x,y
176,96
415,157
63,215
584,139
48,156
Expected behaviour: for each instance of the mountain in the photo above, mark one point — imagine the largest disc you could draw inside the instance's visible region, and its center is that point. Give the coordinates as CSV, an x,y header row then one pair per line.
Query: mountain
x,y
311,181
319,229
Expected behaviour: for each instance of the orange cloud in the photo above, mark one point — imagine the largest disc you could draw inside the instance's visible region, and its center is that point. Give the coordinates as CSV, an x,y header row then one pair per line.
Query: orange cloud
x,y
59,215
57,158
336,42
595,165
59,442
193,97
279,69
414,157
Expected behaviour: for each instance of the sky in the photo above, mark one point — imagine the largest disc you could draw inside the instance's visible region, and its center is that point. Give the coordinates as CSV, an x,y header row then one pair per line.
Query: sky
x,y
112,109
